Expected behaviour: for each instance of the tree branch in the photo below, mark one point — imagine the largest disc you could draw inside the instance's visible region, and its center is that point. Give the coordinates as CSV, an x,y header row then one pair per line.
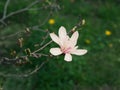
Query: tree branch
x,y
5,8
16,12
37,68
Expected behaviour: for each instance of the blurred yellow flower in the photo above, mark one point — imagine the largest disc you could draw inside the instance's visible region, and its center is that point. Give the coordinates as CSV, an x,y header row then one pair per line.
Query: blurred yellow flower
x,y
87,41
110,45
108,33
51,21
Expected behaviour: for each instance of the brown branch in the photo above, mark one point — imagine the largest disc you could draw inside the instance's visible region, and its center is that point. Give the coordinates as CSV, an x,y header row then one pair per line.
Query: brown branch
x,y
16,12
5,8
11,35
44,38
37,68
35,54
43,47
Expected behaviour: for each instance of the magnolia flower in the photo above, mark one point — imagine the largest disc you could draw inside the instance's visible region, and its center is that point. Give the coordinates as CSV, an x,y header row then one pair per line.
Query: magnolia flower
x,y
67,44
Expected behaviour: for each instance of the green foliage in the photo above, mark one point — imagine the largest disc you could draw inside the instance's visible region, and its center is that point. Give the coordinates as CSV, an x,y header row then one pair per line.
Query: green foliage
x,y
98,69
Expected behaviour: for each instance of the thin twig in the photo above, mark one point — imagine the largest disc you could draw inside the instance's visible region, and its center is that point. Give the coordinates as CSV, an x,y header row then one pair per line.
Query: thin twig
x,y
49,14
18,11
11,35
43,46
44,39
34,53
5,8
37,68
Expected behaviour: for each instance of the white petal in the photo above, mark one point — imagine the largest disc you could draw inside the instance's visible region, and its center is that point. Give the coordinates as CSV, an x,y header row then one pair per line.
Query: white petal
x,y
74,38
79,52
55,51
76,47
68,57
54,37
62,33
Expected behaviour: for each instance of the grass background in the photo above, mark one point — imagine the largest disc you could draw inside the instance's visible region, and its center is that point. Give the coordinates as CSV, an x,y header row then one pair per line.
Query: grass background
x,y
99,69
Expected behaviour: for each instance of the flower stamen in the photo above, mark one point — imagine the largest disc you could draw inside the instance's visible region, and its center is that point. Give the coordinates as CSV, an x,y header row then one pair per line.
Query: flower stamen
x,y
66,50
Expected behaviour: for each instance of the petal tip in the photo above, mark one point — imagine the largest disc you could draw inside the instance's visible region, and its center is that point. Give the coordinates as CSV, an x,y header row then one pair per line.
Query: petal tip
x,y
76,33
62,28
68,60
86,51
68,57
52,33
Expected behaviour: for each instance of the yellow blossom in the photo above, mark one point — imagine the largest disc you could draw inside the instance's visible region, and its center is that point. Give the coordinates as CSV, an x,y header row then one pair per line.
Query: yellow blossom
x,y
108,33
51,21
87,41
110,45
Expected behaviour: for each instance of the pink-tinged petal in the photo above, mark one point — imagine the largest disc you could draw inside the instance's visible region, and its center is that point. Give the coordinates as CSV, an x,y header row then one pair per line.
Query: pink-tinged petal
x,y
73,49
55,51
54,37
74,38
79,52
62,33
68,57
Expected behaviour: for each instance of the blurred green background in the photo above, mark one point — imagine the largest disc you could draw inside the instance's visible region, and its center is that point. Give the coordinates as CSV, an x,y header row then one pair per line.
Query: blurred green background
x,y
99,69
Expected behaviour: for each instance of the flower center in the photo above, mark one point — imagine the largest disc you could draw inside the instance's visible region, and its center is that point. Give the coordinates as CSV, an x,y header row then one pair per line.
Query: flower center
x,y
66,50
